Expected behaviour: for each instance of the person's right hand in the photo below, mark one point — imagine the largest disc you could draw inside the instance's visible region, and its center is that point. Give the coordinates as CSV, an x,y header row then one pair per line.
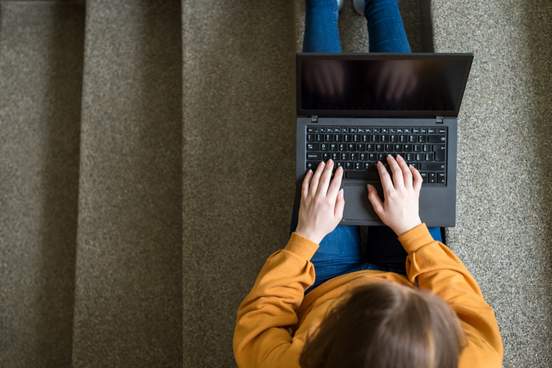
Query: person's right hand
x,y
399,210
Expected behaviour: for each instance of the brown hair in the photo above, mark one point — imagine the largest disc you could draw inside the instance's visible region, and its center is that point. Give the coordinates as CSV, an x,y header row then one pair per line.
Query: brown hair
x,y
386,325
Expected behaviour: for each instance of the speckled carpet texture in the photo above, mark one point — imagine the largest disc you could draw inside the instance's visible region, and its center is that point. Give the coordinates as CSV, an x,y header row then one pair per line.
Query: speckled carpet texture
x,y
147,170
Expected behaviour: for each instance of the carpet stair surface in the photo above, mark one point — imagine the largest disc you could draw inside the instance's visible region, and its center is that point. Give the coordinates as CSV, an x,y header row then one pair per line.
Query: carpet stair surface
x,y
147,160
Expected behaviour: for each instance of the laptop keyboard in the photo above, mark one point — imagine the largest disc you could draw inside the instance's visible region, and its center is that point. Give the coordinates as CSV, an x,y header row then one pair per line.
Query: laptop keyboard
x,y
357,149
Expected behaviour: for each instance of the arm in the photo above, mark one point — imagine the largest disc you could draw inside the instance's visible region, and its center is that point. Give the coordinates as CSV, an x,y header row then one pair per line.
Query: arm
x,y
262,336
433,266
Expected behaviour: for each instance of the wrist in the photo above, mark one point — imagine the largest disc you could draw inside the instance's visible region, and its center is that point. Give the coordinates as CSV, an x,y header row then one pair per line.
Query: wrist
x,y
407,226
309,234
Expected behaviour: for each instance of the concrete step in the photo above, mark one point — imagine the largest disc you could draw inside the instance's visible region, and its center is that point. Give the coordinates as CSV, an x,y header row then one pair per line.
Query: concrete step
x,y
41,48
128,291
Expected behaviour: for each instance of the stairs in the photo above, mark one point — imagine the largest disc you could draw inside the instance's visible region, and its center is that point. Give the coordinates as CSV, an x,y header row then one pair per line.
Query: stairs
x,y
120,244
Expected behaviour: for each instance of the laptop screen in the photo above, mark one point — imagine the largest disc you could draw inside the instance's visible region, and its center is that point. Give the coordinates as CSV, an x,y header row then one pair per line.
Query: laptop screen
x,y
380,85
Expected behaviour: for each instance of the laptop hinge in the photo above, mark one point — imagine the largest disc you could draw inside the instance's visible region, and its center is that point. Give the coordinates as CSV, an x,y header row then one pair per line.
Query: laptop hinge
x,y
439,120
314,119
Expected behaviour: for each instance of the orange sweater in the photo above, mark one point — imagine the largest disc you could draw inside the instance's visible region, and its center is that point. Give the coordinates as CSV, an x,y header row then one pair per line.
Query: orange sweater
x,y
275,318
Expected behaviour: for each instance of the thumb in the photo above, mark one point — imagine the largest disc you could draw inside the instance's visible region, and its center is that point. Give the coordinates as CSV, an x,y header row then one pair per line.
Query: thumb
x,y
375,200
339,205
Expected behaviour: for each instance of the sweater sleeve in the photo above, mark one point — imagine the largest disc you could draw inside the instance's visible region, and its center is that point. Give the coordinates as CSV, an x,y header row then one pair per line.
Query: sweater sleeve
x,y
432,265
262,336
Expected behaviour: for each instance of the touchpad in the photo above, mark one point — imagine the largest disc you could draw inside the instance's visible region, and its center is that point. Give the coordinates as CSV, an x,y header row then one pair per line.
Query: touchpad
x,y
357,207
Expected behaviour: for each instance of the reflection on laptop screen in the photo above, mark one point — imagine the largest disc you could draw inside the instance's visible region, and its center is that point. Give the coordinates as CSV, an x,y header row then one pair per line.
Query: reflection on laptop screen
x,y
401,84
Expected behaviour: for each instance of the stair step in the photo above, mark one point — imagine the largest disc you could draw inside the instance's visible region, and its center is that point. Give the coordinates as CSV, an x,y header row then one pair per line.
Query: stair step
x,y
41,48
128,292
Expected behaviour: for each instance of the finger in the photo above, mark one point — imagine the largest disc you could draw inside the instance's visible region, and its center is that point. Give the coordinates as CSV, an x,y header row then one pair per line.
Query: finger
x,y
385,179
325,179
418,180
375,200
402,85
333,190
316,178
381,82
339,205
396,171
393,82
305,185
407,174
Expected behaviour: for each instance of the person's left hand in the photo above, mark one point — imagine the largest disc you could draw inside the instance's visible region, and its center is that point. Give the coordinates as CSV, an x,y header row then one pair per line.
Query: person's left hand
x,y
322,202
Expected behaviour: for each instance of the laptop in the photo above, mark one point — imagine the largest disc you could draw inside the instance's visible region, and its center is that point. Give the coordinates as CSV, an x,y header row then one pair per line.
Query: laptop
x,y
357,108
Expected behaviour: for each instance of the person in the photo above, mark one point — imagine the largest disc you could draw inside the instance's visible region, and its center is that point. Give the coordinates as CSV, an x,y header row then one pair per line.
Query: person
x,y
318,303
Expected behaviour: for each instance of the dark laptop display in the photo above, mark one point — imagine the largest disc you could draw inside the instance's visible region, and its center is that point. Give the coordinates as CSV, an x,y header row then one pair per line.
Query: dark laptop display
x,y
380,85
356,109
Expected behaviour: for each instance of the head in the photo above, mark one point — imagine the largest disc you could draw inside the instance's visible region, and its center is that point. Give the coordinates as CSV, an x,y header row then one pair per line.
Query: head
x,y
386,325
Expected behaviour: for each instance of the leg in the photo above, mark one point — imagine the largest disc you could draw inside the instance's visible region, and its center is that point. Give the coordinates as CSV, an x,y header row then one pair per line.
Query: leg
x,y
321,30
385,27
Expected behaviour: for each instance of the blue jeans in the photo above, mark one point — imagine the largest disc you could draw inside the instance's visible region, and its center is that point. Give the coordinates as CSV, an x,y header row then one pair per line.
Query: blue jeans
x,y
340,251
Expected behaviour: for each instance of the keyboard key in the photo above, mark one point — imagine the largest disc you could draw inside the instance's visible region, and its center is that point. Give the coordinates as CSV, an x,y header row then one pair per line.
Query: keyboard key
x,y
421,138
436,138
324,146
326,156
370,174
424,176
407,147
312,146
312,130
433,166
341,147
360,147
344,156
440,152
311,165
370,147
328,137
314,156
350,147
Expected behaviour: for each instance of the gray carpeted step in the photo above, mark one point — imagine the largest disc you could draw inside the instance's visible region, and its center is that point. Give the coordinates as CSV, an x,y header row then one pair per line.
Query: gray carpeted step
x,y
128,275
238,160
41,48
504,195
